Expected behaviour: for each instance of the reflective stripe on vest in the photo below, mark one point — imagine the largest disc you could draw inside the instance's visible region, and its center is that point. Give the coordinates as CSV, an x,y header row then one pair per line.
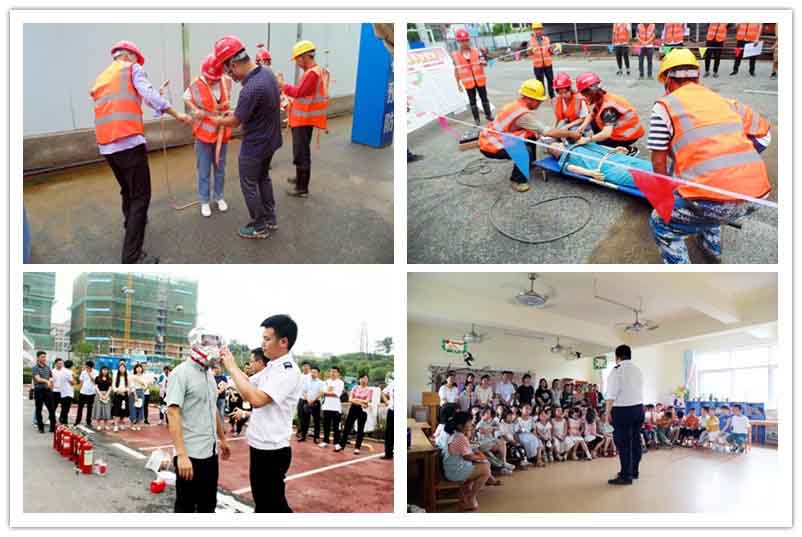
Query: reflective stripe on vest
x,y
311,111
620,33
709,145
541,53
470,72
675,33
717,31
749,32
117,105
645,33
492,142
203,97
628,127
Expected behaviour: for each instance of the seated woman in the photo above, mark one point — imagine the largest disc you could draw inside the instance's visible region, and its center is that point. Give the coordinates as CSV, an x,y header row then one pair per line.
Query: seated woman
x,y
597,162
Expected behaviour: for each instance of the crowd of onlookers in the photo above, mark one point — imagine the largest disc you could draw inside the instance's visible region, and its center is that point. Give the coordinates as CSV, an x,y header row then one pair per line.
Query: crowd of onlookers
x,y
489,431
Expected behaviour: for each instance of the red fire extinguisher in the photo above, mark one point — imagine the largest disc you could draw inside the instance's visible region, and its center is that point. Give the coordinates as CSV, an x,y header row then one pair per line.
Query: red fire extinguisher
x,y
86,457
66,442
76,446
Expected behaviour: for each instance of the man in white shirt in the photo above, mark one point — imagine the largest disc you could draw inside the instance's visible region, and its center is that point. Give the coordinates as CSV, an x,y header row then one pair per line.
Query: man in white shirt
x,y
310,408
449,394
506,389
86,396
305,368
624,404
273,393
388,396
332,406
63,382
739,429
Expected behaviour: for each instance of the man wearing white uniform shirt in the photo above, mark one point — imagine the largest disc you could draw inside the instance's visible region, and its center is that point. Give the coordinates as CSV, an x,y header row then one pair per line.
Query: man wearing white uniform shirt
x,y
273,393
624,402
449,393
310,407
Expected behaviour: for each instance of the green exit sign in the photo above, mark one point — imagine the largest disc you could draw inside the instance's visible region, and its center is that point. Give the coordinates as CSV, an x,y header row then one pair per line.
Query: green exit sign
x,y
454,345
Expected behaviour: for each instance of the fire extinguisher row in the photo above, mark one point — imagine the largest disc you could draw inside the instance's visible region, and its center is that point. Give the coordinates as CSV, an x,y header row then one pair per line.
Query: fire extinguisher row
x,y
73,445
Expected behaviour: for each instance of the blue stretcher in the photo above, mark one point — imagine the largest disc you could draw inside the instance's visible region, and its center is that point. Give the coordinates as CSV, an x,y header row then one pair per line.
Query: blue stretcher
x,y
551,164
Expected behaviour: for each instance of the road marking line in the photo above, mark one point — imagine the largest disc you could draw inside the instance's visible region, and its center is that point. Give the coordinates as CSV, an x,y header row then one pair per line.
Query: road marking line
x,y
129,451
230,504
87,430
317,471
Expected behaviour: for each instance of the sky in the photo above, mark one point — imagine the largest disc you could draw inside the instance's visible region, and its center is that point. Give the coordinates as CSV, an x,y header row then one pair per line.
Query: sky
x,y
329,304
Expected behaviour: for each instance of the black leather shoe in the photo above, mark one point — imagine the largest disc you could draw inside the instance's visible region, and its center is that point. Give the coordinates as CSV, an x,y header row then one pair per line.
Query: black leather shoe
x,y
619,481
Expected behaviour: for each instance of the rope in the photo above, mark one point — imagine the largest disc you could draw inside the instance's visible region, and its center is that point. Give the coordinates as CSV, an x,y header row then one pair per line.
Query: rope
x,y
527,240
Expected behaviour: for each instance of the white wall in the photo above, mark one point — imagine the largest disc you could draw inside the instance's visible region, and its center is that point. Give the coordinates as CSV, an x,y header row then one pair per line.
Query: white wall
x,y
499,351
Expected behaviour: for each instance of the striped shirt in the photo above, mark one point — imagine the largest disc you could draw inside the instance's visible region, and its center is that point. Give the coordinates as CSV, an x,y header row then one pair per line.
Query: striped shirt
x,y
660,129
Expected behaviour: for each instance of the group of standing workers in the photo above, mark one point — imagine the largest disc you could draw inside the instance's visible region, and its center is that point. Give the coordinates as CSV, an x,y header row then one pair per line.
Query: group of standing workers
x,y
694,133
120,90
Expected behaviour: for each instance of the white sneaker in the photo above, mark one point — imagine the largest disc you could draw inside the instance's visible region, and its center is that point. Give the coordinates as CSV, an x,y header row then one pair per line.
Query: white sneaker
x,y
505,471
115,429
323,445
356,452
206,209
338,448
509,466
222,205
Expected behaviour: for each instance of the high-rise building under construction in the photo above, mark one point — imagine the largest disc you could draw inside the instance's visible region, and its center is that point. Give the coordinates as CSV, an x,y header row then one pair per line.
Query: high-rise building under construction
x,y
125,313
38,295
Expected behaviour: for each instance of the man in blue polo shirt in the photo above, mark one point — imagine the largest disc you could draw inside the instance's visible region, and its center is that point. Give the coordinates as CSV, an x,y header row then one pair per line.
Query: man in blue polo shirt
x,y
258,113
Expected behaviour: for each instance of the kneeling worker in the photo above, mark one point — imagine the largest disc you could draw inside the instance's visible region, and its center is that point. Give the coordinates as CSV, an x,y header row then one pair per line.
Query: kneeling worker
x,y
518,119
708,144
614,120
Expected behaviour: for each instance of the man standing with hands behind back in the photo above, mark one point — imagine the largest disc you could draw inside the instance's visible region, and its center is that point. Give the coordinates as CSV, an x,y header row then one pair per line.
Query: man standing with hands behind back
x,y
273,393
624,402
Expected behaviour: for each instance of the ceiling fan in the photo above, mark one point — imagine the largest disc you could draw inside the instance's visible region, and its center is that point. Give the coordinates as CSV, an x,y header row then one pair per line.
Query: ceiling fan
x,y
639,325
560,349
474,336
530,297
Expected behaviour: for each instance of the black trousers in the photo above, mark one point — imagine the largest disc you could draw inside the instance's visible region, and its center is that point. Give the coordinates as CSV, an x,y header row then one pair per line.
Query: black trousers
x,y
268,470
627,422
131,170
737,64
713,52
306,414
356,416
302,147
622,55
645,53
516,176
257,189
482,91
331,422
145,405
200,494
548,74
66,403
87,401
389,439
43,397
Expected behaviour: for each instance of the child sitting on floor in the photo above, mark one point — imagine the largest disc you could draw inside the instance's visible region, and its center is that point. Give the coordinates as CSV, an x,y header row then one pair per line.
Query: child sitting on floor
x,y
576,435
592,436
689,429
559,433
676,420
488,442
739,429
516,454
543,431
606,430
526,436
649,426
663,429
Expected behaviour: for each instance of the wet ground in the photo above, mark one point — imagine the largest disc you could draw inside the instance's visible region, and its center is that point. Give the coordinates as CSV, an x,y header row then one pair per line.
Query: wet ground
x,y
449,216
75,215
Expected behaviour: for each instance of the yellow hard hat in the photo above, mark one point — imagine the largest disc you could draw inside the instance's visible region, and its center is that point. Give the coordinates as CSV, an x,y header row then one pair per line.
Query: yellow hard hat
x,y
537,25
533,88
302,47
678,57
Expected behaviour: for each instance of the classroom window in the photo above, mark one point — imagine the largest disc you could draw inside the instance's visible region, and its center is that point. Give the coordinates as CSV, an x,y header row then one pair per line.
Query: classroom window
x,y
745,374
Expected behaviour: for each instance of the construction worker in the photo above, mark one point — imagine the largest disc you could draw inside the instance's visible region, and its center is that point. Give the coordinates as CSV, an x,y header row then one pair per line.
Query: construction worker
x,y
263,57
469,70
258,113
621,36
570,108
307,111
518,119
716,36
614,121
673,34
705,139
206,96
540,49
747,33
646,38
118,93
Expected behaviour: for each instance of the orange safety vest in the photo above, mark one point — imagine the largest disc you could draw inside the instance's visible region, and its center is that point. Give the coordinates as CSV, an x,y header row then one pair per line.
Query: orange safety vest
x,y
646,34
749,32
628,127
754,124
709,146
471,73
717,31
675,33
620,33
118,106
568,111
493,142
541,53
203,98
311,111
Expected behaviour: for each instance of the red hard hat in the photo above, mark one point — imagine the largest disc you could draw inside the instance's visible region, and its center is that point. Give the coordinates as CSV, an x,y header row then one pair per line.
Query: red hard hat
x,y
130,46
263,55
226,47
462,35
562,81
585,80
210,69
